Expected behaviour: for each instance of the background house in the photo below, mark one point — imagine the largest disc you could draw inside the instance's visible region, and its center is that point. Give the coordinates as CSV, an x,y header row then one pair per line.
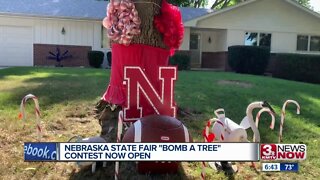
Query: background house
x,y
29,31
283,25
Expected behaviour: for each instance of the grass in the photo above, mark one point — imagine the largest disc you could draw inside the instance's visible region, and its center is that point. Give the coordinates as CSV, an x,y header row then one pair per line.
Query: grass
x,y
67,97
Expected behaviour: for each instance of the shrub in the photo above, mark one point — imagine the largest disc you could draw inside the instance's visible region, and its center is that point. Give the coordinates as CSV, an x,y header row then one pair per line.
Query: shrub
x,y
298,67
95,58
109,56
248,59
180,60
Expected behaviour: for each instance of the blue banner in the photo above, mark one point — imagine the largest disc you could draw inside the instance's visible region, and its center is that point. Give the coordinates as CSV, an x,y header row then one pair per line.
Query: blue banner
x,y
41,151
294,167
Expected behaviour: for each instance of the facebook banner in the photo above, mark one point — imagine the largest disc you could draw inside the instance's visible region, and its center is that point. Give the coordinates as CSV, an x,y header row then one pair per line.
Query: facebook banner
x,y
42,151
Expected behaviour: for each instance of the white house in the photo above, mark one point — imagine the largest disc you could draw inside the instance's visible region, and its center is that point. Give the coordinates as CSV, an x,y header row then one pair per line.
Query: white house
x,y
283,25
29,31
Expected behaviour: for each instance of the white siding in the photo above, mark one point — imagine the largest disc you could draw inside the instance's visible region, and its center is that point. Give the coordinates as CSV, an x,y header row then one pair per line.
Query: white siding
x,y
265,15
48,31
235,37
283,42
283,20
186,38
218,39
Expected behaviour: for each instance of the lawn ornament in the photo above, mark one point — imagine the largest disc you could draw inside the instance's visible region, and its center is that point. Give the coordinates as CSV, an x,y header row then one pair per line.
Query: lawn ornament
x,y
258,119
58,56
22,114
226,130
96,139
157,128
208,137
283,114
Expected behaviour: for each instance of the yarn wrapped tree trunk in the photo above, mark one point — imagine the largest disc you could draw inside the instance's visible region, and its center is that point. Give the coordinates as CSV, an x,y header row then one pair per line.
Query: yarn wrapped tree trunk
x,y
149,34
143,33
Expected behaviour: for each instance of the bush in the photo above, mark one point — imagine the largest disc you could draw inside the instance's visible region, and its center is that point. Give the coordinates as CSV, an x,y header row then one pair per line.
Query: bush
x,y
180,60
109,56
298,67
95,58
248,59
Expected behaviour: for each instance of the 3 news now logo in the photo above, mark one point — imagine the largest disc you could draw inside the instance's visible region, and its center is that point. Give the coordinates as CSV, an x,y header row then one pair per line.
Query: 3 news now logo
x,y
283,151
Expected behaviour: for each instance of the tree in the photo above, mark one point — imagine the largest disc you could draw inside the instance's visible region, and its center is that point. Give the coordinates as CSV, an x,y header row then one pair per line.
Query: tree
x,y
305,3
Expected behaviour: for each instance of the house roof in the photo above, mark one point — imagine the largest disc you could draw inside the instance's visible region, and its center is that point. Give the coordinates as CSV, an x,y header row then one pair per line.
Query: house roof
x,y
74,9
292,2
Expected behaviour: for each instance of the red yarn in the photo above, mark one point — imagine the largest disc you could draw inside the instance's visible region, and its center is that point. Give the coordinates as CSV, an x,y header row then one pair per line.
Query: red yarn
x,y
169,23
210,136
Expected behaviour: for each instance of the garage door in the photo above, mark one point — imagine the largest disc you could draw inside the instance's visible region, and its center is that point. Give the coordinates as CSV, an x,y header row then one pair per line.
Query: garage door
x,y
16,47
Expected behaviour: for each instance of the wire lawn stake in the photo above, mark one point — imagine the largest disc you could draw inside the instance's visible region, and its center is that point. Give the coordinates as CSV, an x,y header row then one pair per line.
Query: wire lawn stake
x,y
208,137
257,124
258,119
121,123
283,114
22,114
119,133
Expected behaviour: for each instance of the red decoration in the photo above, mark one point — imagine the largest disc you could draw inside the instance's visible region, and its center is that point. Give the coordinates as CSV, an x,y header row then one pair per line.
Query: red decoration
x,y
122,21
169,23
142,97
149,58
210,136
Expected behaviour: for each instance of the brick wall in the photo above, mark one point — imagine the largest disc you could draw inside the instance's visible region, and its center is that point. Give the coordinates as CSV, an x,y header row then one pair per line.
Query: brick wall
x,y
215,60
79,55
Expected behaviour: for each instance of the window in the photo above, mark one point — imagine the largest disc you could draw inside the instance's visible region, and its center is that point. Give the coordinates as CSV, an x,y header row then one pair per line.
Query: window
x,y
104,38
257,39
302,43
265,40
308,43
251,39
315,43
194,41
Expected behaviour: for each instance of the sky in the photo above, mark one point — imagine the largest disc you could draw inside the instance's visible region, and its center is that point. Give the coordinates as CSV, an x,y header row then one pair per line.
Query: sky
x,y
314,3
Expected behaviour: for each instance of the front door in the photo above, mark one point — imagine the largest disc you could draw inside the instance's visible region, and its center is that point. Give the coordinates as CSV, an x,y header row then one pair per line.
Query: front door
x,y
195,53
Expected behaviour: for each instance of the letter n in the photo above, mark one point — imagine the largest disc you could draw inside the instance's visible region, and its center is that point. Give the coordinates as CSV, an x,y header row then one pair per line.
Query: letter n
x,y
139,87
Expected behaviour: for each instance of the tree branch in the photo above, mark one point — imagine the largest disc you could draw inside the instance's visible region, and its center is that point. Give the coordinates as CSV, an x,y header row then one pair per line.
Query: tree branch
x,y
217,3
226,3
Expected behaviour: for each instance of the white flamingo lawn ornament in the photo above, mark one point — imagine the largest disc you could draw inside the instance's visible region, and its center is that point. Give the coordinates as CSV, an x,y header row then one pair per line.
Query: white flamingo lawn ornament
x,y
227,130
22,114
283,114
258,118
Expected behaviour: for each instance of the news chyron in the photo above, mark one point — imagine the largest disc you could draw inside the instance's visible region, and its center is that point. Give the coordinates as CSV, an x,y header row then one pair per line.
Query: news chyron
x,y
282,152
273,152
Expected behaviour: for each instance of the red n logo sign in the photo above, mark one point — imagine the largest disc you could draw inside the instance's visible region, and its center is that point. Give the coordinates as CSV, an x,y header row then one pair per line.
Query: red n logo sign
x,y
144,98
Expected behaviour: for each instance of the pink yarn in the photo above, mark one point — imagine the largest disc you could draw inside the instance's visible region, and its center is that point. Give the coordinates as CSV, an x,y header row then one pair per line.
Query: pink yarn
x,y
122,21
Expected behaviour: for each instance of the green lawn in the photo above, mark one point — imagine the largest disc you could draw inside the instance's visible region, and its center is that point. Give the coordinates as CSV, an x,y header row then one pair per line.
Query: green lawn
x,y
67,97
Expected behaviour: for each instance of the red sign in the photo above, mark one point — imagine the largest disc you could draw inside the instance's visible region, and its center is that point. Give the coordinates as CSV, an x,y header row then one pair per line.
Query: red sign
x,y
283,151
144,98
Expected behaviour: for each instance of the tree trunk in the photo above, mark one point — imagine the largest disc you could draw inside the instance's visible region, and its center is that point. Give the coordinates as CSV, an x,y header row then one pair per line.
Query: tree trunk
x,y
149,34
